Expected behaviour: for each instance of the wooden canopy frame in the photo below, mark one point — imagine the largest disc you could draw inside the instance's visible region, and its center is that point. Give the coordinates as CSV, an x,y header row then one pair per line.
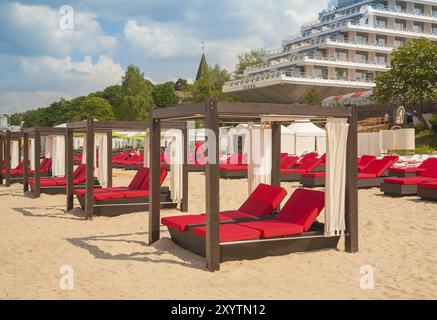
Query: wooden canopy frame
x,y
89,127
36,133
211,112
6,137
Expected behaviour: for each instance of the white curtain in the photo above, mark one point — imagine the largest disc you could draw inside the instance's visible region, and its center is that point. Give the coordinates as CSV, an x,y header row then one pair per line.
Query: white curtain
x,y
58,156
336,136
259,155
32,153
48,150
146,150
176,163
84,150
101,148
15,146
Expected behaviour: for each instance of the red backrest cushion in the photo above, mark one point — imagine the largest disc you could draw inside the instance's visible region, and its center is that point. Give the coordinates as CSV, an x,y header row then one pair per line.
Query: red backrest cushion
x,y
365,160
287,162
303,208
323,159
20,166
379,166
308,156
80,171
429,163
138,179
263,200
309,164
146,183
430,173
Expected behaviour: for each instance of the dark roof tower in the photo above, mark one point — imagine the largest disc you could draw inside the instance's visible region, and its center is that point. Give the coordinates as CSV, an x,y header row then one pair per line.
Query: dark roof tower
x,y
203,66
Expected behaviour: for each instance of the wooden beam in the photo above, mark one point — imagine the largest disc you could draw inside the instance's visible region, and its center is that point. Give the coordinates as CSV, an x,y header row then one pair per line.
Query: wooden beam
x,y
109,157
8,158
276,154
26,162
155,188
69,168
187,110
351,240
184,203
212,189
37,174
89,195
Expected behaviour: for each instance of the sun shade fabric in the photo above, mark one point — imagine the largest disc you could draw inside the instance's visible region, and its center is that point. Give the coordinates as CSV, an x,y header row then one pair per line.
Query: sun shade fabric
x,y
48,149
32,153
101,158
15,146
336,132
146,160
58,156
176,152
260,155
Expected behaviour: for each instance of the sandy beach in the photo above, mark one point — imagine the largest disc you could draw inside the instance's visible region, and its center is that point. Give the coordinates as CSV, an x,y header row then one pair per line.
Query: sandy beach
x,y
111,260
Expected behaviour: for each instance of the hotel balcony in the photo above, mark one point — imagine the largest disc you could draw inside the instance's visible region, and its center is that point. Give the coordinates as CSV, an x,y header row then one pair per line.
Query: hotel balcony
x,y
319,60
287,86
354,45
401,14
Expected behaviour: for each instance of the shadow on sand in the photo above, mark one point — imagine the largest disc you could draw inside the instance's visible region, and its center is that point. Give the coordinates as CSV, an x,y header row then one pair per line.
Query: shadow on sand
x,y
153,255
55,211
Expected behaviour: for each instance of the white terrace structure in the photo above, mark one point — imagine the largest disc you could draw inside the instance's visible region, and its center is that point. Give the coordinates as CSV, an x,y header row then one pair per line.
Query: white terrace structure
x,y
339,53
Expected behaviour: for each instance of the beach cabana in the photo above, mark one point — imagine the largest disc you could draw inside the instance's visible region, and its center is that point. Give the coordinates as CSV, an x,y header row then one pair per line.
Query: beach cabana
x,y
54,151
112,201
304,136
341,195
10,156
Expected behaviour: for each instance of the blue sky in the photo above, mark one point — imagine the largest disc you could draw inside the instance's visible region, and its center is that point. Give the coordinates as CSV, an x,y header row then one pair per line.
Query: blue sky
x,y
40,62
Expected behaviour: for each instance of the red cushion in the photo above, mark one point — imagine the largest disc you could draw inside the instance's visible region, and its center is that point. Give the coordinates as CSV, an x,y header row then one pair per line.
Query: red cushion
x,y
108,196
138,179
364,161
287,162
362,175
263,200
180,223
377,167
233,167
404,170
314,174
303,208
309,164
231,233
136,194
409,180
274,228
432,186
81,192
308,156
430,172
429,163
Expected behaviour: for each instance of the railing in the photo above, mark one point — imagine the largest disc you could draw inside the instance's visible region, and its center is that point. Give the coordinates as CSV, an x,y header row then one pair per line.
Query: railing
x,y
290,74
402,11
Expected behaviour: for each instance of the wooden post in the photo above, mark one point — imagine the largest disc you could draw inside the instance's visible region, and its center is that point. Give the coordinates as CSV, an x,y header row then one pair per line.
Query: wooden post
x,y
212,187
89,194
8,158
37,174
351,240
109,158
26,162
2,150
276,154
155,188
69,168
184,203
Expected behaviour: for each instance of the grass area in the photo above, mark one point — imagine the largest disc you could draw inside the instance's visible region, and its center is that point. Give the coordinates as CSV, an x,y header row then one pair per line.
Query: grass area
x,y
426,142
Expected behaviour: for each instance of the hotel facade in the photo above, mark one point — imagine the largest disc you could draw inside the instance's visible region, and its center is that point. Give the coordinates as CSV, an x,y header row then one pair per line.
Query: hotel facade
x,y
339,53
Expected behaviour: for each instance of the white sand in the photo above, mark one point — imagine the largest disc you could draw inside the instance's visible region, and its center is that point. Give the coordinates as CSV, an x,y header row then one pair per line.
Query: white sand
x,y
111,260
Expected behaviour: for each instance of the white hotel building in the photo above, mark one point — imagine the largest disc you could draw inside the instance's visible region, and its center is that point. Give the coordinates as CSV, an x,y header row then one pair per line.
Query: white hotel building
x,y
339,53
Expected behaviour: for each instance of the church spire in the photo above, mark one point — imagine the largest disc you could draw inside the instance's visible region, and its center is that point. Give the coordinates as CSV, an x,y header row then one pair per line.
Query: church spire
x,y
203,66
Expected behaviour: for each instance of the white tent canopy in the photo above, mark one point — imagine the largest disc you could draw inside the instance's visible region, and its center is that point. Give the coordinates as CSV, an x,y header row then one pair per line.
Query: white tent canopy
x,y
306,137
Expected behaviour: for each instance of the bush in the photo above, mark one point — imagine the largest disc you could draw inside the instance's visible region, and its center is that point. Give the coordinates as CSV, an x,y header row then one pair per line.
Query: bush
x,y
433,122
424,149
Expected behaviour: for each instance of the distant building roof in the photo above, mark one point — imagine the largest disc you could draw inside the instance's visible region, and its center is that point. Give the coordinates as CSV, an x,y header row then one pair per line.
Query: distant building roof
x,y
202,67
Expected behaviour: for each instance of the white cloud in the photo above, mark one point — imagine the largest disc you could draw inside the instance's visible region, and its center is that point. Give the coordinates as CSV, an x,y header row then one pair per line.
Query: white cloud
x,y
35,30
46,79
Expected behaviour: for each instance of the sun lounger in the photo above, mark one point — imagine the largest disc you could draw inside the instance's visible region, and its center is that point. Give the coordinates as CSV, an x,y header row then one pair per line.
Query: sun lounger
x,y
404,172
408,186
364,161
304,167
427,191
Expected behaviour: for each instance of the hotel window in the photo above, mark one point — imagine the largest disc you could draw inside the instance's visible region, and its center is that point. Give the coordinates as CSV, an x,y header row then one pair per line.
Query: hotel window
x,y
418,9
360,75
400,6
418,26
320,72
381,59
361,57
434,28
399,42
341,54
381,40
341,73
434,11
361,38
400,24
382,23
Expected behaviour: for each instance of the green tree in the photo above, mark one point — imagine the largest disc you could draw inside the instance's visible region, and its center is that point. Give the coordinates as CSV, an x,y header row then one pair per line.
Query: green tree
x,y
136,100
313,97
164,95
89,108
211,84
181,85
412,79
249,59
